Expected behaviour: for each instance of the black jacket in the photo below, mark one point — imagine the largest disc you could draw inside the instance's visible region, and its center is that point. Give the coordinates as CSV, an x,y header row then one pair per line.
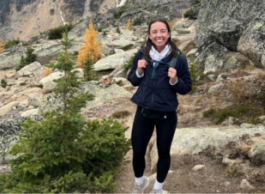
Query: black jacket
x,y
157,93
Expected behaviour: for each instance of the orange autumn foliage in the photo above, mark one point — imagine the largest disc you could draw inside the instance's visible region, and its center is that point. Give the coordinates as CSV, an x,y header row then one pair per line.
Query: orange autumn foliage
x,y
48,71
91,47
128,24
2,49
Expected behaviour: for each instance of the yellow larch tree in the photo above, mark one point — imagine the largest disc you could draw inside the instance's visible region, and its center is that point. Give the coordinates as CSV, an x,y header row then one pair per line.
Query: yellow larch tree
x,y
2,49
91,47
48,71
128,24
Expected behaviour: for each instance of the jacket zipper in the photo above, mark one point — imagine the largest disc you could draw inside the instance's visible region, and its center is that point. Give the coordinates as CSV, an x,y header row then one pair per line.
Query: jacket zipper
x,y
152,101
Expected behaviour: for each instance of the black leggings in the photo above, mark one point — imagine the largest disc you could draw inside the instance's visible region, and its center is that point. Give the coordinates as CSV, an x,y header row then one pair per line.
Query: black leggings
x,y
141,133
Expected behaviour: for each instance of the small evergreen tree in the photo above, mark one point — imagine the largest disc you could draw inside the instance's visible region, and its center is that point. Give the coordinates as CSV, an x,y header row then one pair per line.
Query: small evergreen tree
x,y
3,83
30,58
118,30
91,47
89,72
2,47
63,153
194,72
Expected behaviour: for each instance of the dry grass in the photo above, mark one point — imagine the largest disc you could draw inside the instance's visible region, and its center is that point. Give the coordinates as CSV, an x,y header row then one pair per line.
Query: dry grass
x,y
261,75
48,71
171,23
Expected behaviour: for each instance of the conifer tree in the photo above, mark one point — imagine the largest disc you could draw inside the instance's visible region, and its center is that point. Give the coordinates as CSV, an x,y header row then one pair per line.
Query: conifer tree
x,y
128,24
63,153
2,47
89,72
30,58
91,47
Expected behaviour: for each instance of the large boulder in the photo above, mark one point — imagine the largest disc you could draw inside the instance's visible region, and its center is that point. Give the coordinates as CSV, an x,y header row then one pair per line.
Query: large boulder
x,y
121,44
48,83
210,57
29,69
195,140
257,154
11,58
48,52
252,42
101,94
228,32
113,61
212,11
136,13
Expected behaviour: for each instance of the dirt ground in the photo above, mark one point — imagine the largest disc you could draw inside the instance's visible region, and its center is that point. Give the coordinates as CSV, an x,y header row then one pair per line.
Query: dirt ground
x,y
211,179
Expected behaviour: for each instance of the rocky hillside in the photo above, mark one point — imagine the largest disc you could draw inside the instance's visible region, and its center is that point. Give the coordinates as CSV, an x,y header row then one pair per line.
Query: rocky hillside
x,y
219,142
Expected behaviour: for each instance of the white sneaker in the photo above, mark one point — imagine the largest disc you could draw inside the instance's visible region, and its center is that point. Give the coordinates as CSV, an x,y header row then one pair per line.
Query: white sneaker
x,y
142,187
159,192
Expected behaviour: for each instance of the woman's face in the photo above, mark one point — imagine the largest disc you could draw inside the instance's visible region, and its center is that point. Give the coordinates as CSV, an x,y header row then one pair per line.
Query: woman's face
x,y
159,35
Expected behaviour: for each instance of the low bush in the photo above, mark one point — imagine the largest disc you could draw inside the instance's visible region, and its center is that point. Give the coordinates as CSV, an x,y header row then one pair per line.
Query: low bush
x,y
57,33
117,14
3,83
11,43
137,22
121,114
128,64
188,13
30,58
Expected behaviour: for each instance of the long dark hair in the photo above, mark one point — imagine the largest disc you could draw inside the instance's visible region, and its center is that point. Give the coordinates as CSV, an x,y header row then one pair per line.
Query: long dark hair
x,y
149,42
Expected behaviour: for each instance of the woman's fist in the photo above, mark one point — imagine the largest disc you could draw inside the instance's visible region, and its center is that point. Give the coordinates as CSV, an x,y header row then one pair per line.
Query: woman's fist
x,y
172,73
141,66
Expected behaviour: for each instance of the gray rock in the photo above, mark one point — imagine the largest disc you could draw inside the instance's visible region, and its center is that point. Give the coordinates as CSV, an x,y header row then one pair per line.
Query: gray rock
x,y
48,83
30,113
245,185
122,44
168,11
228,32
118,72
198,167
215,88
113,61
211,77
188,23
210,57
5,109
257,154
227,161
212,11
79,73
229,121
195,13
247,125
183,31
154,4
34,100
101,94
133,14
192,52
29,69
48,52
252,41
11,58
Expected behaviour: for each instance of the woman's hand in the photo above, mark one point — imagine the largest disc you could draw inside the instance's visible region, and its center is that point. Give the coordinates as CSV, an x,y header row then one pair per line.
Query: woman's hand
x,y
172,73
141,66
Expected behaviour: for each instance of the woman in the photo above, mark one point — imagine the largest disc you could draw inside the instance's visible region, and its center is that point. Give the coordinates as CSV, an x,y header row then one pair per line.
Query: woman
x,y
156,99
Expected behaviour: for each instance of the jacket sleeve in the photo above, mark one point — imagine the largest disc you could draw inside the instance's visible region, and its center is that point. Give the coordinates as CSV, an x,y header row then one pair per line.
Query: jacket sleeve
x,y
132,77
183,86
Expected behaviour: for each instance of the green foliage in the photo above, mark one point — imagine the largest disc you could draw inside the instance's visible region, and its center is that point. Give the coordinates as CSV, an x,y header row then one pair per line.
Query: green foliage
x,y
57,33
188,13
11,43
30,58
89,72
117,14
118,30
104,34
34,38
209,112
63,153
3,83
137,22
100,29
128,64
194,72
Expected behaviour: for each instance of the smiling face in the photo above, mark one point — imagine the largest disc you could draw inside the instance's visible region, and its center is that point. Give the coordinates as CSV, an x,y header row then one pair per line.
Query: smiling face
x,y
159,35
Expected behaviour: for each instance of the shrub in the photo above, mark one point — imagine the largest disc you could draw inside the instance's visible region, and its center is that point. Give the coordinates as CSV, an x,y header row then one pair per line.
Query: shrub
x,y
64,153
188,13
3,83
11,43
194,72
209,112
30,58
2,46
128,64
137,22
121,114
104,34
57,33
48,71
117,14
118,30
